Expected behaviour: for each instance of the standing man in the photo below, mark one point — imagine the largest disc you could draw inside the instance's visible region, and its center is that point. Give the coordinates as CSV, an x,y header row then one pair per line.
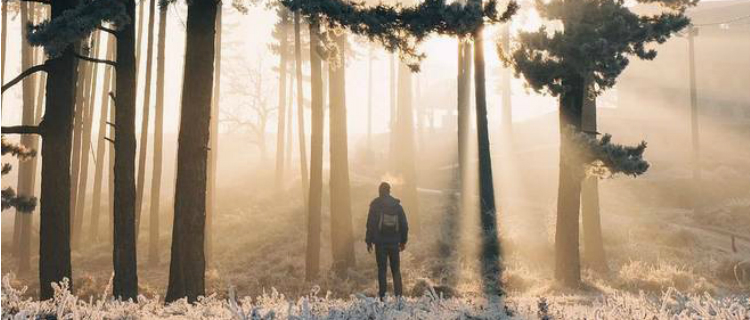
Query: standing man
x,y
388,230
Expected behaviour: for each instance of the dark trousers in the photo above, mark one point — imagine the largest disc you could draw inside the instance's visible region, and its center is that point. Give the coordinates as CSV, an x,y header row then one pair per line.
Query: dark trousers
x,y
383,253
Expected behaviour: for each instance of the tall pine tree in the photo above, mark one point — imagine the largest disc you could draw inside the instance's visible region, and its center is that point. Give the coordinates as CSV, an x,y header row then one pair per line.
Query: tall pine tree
x,y
188,263
586,56
69,23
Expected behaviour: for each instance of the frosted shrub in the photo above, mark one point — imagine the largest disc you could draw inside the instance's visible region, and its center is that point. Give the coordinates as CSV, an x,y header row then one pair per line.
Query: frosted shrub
x,y
274,305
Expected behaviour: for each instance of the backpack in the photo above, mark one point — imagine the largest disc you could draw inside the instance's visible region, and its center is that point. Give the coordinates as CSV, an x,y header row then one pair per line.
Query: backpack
x,y
389,222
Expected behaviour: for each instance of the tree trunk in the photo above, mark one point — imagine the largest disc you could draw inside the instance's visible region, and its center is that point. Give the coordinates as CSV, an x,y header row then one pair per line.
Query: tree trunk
x,y
26,169
593,244
405,148
214,140
139,38
188,263
124,255
84,75
312,261
370,58
694,123
392,122
464,120
111,167
505,92
289,119
300,106
153,234
101,144
491,256
143,145
567,260
324,90
88,121
54,229
283,48
342,240
4,39
418,113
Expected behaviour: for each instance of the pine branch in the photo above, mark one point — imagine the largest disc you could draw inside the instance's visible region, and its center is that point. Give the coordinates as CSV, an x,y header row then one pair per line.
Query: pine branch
x,y
22,204
606,158
95,60
107,30
55,35
24,74
16,150
400,28
38,1
22,130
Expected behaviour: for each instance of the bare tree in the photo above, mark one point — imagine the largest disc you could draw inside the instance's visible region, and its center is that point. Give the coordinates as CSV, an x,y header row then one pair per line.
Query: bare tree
x,y
253,111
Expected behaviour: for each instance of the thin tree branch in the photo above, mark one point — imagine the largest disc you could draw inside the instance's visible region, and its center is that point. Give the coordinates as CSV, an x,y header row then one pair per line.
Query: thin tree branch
x,y
24,74
38,1
95,60
107,30
21,130
110,140
112,124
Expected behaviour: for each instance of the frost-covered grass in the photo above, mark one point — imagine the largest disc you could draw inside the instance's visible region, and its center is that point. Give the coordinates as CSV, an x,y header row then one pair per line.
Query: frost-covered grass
x,y
274,305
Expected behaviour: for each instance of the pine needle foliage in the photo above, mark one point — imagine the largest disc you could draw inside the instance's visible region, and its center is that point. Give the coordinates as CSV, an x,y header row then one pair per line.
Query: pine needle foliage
x,y
10,199
400,28
605,158
594,39
73,25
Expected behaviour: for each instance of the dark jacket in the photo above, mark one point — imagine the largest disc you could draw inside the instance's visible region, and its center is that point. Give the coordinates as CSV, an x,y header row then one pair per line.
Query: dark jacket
x,y
377,207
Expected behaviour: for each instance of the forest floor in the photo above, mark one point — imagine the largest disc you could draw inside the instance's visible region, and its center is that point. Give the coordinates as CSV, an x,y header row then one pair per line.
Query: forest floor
x,y
663,262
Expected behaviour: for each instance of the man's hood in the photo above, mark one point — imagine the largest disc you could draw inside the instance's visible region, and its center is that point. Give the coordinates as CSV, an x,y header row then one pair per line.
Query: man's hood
x,y
388,201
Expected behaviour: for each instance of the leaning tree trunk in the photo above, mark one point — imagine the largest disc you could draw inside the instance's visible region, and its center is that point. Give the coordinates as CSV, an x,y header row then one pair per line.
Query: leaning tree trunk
x,y
593,244
153,233
88,104
101,144
567,260
57,126
405,148
214,141
491,256
124,255
188,265
283,48
300,106
26,169
342,239
143,145
312,261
